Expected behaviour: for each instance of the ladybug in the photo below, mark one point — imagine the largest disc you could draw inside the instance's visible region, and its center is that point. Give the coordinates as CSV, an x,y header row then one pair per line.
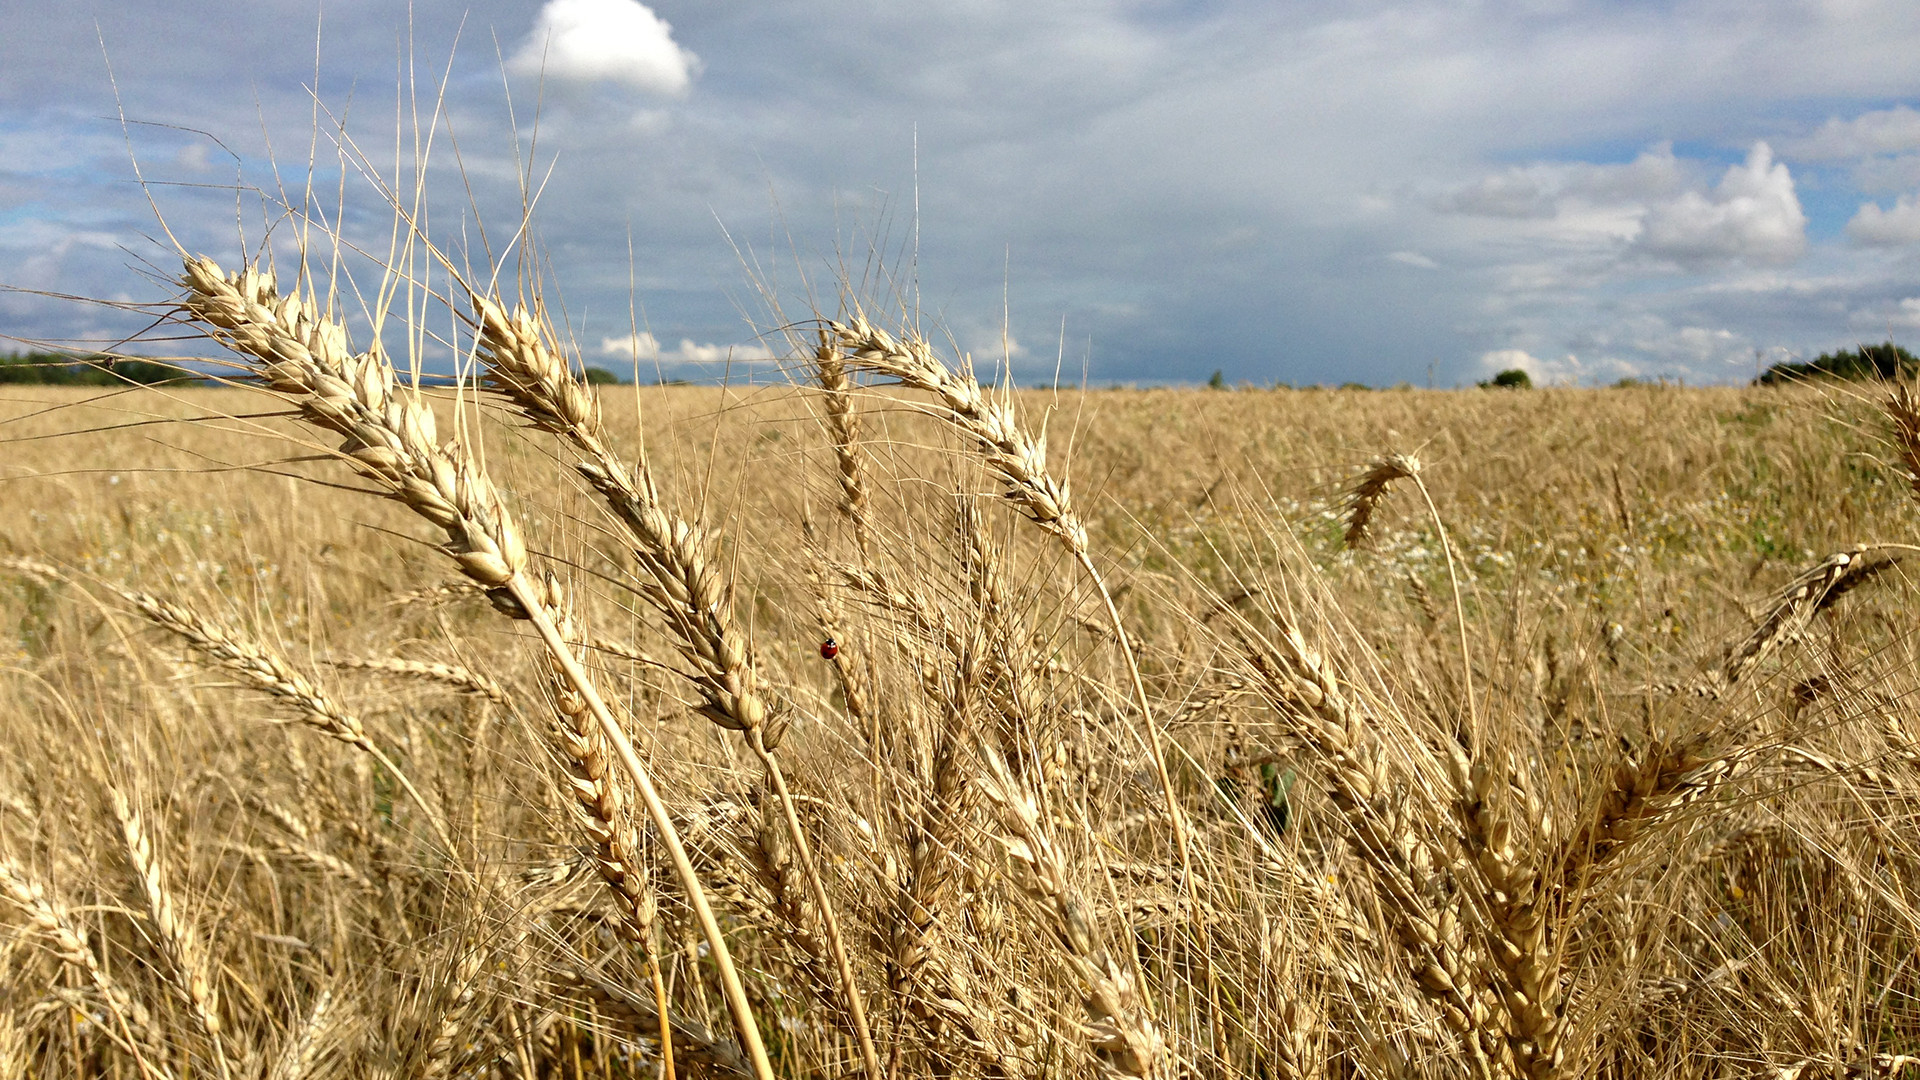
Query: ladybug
x,y
829,649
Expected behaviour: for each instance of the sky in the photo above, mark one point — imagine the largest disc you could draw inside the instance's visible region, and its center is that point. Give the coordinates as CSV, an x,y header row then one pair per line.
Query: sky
x,y
1096,191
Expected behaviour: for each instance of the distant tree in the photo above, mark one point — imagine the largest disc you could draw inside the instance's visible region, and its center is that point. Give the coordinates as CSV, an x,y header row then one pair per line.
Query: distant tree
x,y
63,369
1217,381
1883,361
1355,386
1510,379
599,376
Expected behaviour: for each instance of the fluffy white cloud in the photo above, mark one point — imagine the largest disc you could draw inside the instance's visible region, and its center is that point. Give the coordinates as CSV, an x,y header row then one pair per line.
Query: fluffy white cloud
x,y
1874,227
1497,360
645,347
1883,131
1560,189
606,40
1565,371
1752,216
1690,348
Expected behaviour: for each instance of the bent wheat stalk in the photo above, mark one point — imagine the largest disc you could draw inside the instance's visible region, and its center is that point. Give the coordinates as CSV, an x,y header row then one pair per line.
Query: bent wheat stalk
x,y
390,439
1365,497
267,670
1019,460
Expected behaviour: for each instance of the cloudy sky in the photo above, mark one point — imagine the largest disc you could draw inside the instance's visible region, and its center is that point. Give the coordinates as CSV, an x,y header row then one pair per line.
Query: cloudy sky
x,y
1120,190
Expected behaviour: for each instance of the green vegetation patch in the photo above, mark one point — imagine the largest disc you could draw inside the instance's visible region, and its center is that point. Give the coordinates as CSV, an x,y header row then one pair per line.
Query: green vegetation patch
x,y
1883,361
62,369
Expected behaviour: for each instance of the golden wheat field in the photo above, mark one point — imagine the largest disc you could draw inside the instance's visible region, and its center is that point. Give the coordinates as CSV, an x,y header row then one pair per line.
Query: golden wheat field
x,y
883,725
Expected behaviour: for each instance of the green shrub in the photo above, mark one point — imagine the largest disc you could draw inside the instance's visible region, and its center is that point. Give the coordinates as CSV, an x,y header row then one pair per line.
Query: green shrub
x,y
1510,379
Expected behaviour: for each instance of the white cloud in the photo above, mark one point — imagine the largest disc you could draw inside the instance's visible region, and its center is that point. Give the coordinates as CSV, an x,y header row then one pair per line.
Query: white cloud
x,y
1752,216
1883,131
606,40
1414,258
1877,175
1690,348
645,347
1874,227
1561,189
1497,360
1566,371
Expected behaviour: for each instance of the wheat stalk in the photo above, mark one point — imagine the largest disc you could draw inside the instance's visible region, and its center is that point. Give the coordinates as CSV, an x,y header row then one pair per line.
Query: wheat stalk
x,y
679,580
390,439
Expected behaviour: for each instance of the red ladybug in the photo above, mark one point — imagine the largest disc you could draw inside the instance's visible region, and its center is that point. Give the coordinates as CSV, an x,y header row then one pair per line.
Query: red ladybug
x,y
829,649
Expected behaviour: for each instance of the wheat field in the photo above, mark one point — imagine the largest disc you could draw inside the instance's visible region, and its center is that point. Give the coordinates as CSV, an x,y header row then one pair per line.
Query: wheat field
x,y
881,724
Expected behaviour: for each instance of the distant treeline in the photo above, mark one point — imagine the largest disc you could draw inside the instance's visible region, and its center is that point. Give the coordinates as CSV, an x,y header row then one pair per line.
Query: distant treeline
x,y
63,369
1883,361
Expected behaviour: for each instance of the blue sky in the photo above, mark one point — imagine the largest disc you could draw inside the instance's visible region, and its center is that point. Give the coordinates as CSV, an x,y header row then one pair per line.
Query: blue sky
x,y
1316,191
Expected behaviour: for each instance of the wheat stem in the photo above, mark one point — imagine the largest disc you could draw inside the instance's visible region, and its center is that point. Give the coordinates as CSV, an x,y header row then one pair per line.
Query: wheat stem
x,y
730,985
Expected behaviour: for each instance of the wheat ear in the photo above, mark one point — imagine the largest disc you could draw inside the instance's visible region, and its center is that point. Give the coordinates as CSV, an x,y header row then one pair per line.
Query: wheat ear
x,y
678,579
1382,828
1804,597
389,438
843,424
1019,461
303,1051
583,748
454,675
267,670
1903,411
1122,1035
178,940
1367,493
692,1042
72,945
